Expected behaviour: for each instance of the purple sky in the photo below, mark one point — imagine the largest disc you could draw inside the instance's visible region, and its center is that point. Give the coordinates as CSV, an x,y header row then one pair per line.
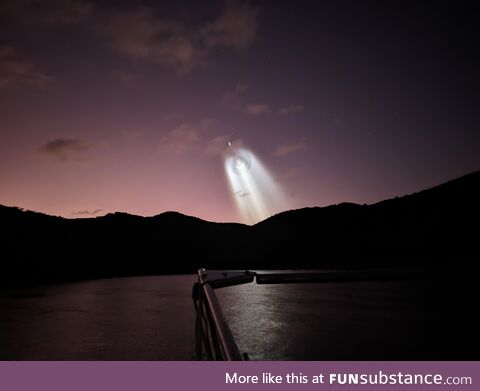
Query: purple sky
x,y
127,106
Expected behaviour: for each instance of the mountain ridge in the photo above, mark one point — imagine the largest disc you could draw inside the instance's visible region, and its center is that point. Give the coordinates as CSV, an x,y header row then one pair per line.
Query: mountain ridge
x,y
471,176
428,228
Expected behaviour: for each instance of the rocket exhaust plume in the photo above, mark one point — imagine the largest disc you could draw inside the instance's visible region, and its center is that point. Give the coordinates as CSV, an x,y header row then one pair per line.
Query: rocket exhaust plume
x,y
253,188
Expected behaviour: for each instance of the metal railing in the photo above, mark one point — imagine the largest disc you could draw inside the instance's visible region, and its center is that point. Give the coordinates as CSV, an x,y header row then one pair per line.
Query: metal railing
x,y
214,339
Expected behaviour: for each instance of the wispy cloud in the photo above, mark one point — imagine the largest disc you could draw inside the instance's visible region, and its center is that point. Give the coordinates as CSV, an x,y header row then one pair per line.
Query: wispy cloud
x,y
217,145
256,109
28,13
235,27
66,149
289,148
16,70
64,12
141,34
87,212
291,109
181,138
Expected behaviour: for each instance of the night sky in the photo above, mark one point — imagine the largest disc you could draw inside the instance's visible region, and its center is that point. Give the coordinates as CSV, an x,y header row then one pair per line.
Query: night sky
x,y
129,106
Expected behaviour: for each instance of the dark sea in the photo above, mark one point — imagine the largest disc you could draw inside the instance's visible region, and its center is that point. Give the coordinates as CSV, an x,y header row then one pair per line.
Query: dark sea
x,y
153,318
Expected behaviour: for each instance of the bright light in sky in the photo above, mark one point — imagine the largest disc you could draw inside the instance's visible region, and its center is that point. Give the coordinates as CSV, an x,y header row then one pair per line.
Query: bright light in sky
x,y
255,192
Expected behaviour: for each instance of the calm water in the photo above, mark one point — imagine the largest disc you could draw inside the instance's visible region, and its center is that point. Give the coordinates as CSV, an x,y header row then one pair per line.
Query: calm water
x,y
152,318
138,318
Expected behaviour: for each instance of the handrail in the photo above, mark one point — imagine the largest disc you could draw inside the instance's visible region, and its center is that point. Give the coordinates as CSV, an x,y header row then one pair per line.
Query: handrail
x,y
228,345
214,339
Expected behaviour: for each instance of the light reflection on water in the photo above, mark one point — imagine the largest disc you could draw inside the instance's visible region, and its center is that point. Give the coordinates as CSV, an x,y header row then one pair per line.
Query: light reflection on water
x,y
152,318
353,321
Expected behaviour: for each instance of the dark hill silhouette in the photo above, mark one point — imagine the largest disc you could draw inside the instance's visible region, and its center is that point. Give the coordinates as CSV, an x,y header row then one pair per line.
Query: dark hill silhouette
x,y
438,226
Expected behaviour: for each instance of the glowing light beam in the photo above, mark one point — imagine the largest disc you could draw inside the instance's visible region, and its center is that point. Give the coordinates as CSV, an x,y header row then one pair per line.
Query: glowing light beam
x,y
254,190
